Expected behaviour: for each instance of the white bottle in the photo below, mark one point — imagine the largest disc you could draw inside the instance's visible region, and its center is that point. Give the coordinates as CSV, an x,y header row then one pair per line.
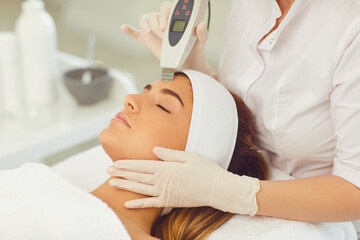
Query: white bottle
x,y
11,93
36,33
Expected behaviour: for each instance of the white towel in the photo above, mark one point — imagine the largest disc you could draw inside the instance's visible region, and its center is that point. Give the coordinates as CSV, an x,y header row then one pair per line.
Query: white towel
x,y
214,120
87,169
261,228
36,203
266,228
96,161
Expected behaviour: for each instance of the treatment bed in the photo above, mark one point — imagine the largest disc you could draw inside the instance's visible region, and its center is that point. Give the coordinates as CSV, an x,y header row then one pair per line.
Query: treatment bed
x,y
87,170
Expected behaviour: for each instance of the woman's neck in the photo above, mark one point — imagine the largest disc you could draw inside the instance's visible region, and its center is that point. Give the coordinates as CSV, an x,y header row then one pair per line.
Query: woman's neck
x,y
284,6
133,219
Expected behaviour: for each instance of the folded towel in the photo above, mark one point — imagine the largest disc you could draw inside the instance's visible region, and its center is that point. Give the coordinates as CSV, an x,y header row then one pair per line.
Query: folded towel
x,y
86,169
261,228
36,203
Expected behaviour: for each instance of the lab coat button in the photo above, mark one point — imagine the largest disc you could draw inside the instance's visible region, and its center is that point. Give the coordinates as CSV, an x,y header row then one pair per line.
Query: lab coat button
x,y
271,41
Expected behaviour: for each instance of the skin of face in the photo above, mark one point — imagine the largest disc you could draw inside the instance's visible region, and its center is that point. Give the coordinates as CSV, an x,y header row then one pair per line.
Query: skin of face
x,y
156,118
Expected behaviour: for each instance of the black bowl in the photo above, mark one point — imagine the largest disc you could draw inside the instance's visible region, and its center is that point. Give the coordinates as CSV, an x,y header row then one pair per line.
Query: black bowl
x,y
91,93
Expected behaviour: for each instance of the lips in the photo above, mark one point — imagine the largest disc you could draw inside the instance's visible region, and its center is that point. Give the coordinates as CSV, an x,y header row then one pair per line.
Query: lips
x,y
121,117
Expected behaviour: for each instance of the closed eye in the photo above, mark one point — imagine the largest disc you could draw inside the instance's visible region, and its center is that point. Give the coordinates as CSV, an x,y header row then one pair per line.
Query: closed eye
x,y
158,105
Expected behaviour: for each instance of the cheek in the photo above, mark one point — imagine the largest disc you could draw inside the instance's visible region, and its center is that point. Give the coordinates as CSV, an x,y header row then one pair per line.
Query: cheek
x,y
169,134
139,142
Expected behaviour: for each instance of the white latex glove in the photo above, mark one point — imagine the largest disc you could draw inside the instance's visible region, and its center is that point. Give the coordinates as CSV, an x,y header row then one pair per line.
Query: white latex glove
x,y
185,179
154,25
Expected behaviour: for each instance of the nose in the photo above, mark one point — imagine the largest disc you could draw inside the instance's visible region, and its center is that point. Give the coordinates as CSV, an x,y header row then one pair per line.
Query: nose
x,y
132,103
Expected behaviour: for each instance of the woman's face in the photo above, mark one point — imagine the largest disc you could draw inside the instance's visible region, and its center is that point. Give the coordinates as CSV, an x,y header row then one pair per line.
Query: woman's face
x,y
159,116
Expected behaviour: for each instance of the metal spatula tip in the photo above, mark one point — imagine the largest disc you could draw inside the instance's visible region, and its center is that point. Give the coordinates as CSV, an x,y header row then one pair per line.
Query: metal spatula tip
x,y
167,74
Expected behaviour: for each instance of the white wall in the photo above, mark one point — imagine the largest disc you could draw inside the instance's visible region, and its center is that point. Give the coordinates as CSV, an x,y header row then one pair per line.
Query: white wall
x,y
76,19
105,17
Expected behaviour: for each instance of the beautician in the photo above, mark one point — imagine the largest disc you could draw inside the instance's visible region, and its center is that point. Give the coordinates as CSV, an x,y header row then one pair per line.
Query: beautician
x,y
296,64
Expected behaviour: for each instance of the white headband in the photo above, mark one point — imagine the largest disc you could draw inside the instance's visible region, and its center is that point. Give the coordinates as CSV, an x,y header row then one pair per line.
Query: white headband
x,y
214,121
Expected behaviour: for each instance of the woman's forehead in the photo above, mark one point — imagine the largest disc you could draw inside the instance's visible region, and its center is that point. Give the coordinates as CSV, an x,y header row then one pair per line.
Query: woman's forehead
x,y
181,85
180,82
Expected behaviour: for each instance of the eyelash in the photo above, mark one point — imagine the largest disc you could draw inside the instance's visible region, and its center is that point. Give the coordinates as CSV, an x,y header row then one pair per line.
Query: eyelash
x,y
163,108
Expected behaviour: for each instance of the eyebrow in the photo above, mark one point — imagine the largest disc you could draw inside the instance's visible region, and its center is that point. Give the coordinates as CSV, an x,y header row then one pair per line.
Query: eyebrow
x,y
168,92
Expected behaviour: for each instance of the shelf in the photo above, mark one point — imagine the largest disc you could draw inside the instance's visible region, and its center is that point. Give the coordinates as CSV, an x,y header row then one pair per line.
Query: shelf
x,y
68,124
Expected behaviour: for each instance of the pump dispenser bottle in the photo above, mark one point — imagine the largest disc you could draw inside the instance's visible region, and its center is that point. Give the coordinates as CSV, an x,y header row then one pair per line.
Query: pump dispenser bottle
x,y
36,34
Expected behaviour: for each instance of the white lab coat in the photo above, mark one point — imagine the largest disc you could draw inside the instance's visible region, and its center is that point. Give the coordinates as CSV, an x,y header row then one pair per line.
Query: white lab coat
x,y
302,82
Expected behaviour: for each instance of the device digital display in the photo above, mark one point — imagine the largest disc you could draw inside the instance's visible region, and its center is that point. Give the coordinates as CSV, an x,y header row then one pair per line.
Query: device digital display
x,y
178,26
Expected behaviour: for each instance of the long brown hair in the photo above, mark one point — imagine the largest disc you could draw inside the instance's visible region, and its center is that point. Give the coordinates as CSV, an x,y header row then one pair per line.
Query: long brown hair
x,y
198,223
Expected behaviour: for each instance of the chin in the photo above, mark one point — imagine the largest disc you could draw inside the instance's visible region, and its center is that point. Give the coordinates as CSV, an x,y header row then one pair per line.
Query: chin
x,y
107,143
117,149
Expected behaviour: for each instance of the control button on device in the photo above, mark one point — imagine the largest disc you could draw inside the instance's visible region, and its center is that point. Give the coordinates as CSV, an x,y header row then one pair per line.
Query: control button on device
x,y
186,1
177,12
184,7
187,13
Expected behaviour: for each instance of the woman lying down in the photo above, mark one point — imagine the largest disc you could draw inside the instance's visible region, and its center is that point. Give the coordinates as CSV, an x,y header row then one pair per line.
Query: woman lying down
x,y
193,113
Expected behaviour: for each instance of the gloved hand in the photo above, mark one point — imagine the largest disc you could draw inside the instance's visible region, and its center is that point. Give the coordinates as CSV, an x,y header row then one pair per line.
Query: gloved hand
x,y
154,25
185,179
